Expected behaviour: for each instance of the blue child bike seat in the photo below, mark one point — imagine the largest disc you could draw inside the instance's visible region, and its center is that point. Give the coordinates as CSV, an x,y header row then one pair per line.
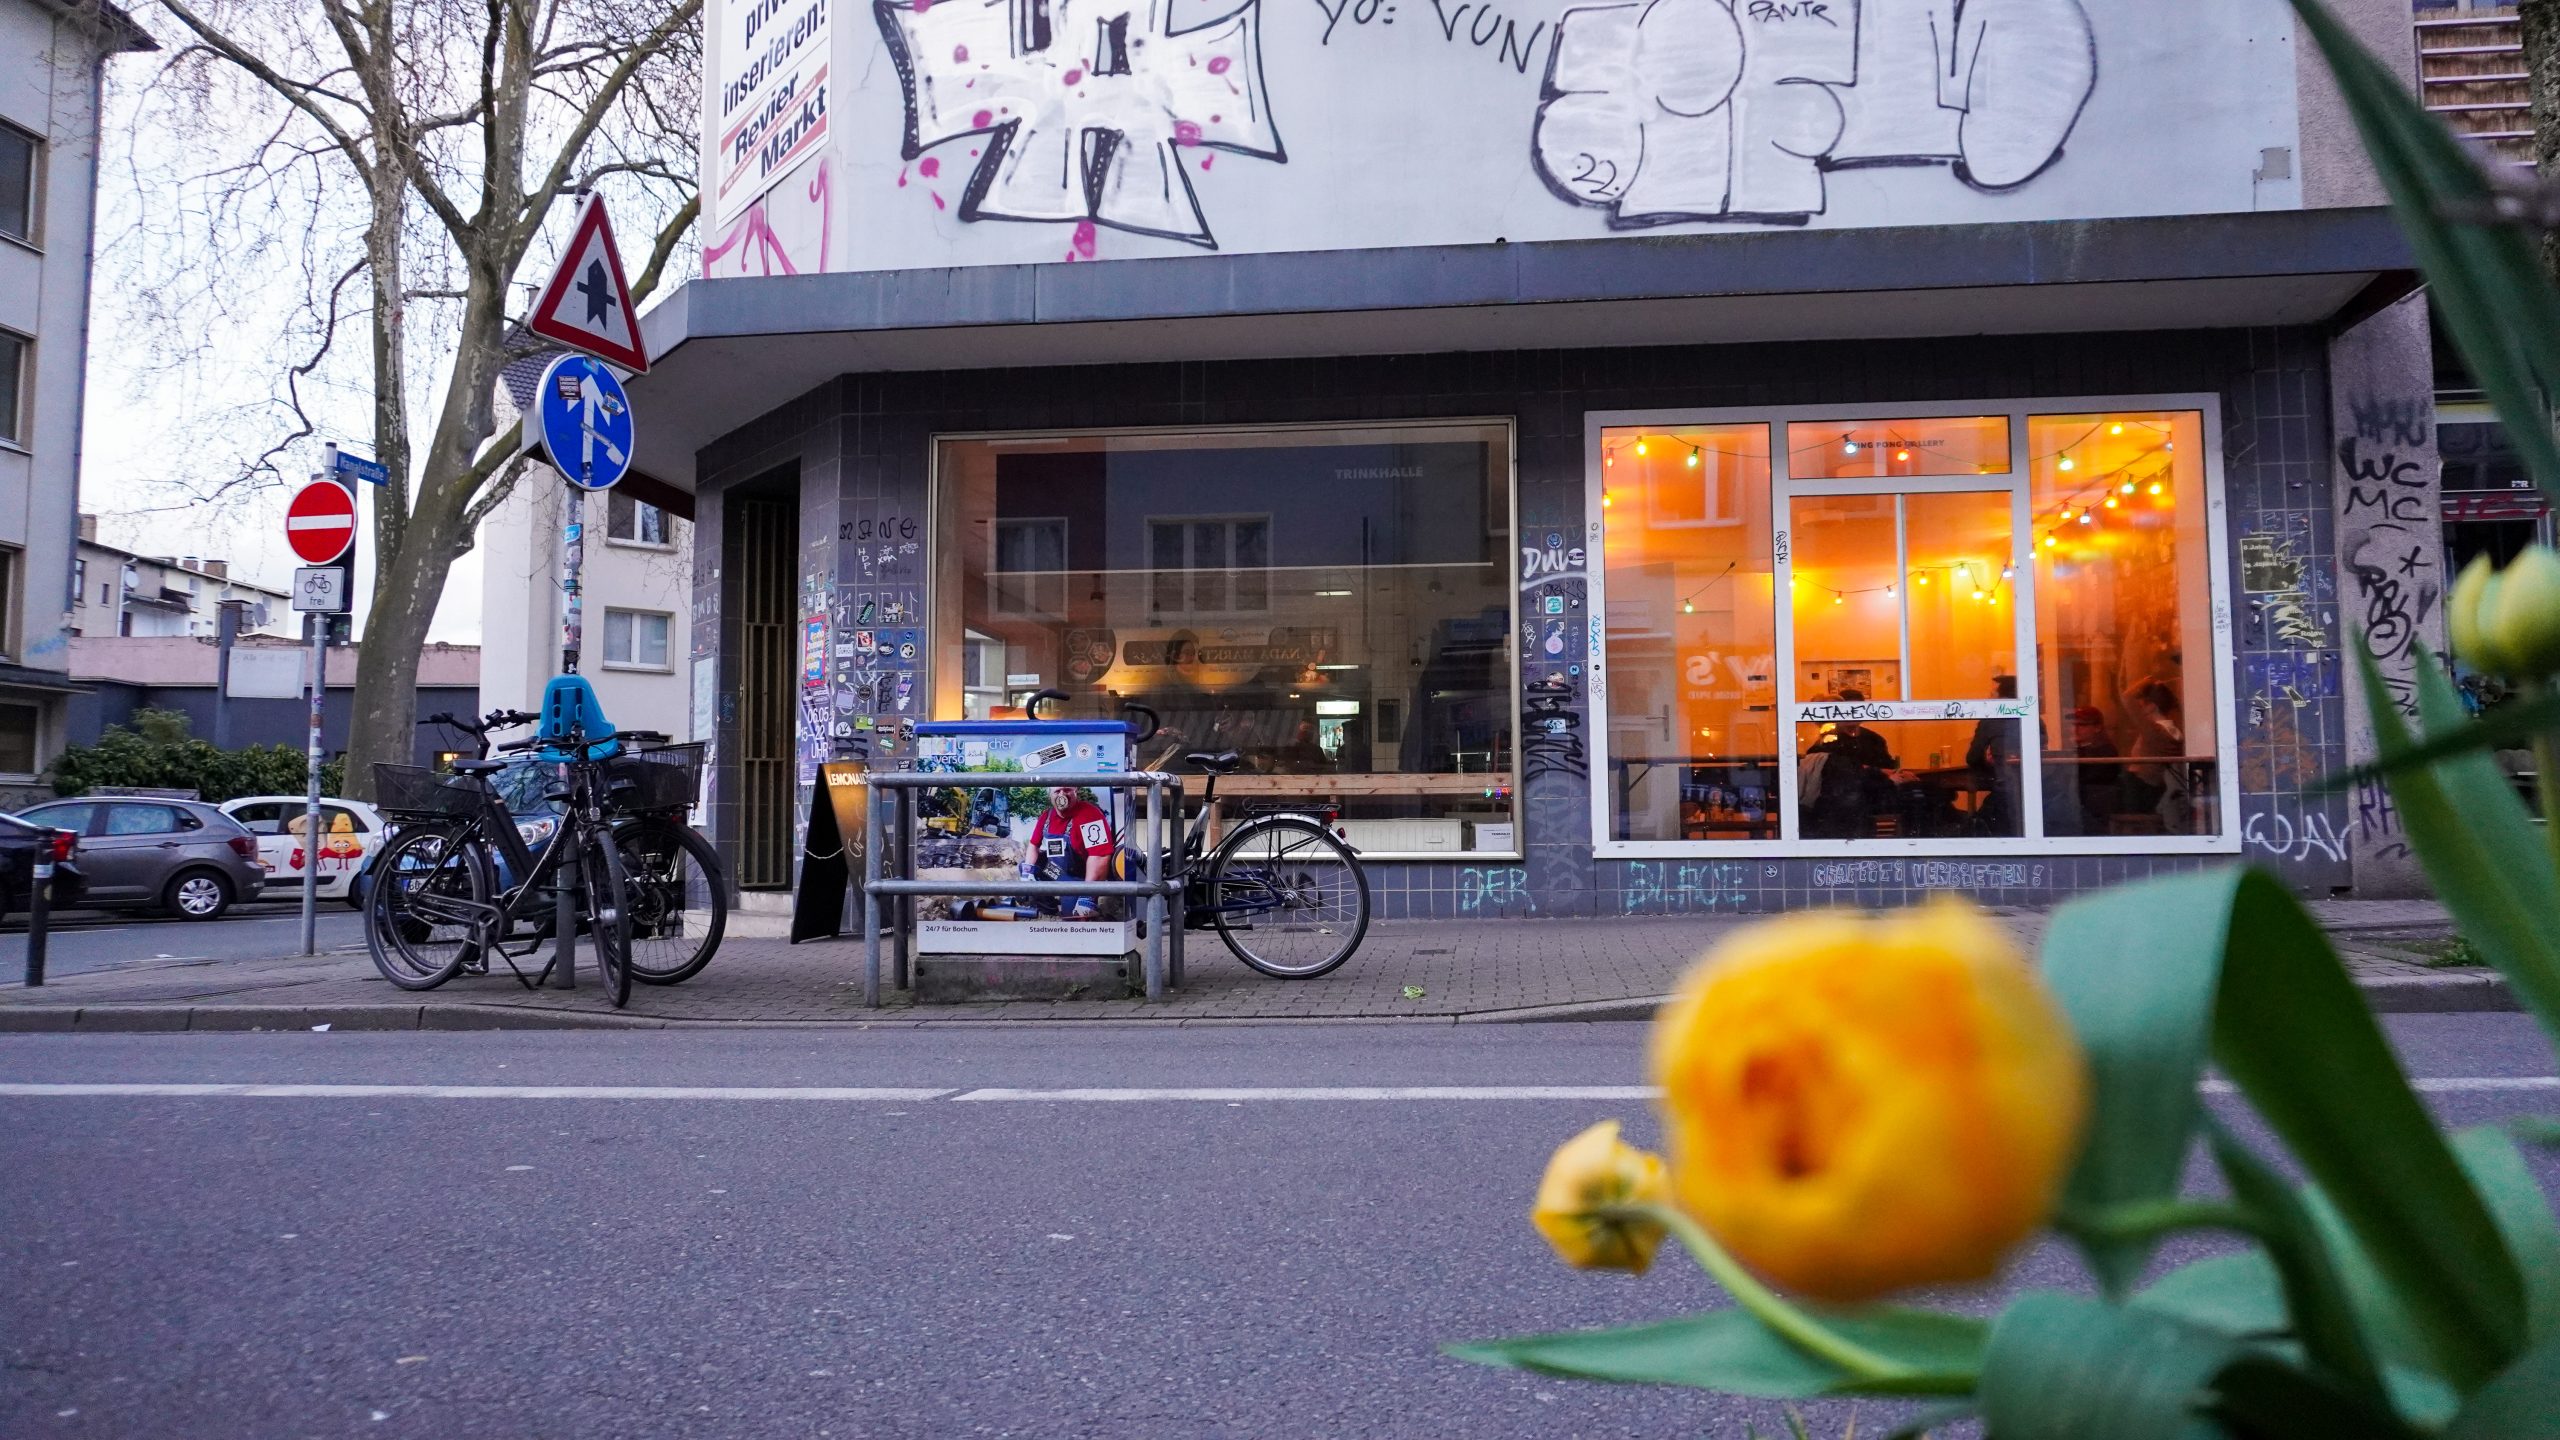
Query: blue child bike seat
x,y
569,701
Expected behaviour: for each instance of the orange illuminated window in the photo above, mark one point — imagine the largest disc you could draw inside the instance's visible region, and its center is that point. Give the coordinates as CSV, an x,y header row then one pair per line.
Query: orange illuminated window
x,y
1844,449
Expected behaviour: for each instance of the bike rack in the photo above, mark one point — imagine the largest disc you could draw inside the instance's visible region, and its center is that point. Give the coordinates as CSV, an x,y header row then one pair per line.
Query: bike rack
x,y
1163,895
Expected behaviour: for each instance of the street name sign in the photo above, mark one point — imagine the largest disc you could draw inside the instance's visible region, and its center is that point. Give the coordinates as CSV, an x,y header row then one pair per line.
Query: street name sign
x,y
585,422
587,305
320,523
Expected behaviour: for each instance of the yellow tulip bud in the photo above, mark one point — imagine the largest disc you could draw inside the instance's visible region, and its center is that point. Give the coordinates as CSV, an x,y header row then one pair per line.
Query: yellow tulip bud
x,y
2466,615
2523,614
1592,1170
1858,1104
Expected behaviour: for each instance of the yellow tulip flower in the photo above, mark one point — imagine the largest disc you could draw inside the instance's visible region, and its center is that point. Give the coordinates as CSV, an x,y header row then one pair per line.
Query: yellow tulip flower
x,y
1592,1170
2507,622
1859,1104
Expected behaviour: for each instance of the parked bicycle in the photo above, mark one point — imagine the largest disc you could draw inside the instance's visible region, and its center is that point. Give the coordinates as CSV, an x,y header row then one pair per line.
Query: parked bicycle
x,y
436,903
1286,894
679,900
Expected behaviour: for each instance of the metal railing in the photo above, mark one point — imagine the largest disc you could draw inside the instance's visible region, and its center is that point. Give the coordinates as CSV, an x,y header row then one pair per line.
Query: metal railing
x,y
888,865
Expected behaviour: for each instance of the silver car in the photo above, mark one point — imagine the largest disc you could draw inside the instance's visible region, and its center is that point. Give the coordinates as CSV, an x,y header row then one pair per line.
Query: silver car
x,y
185,857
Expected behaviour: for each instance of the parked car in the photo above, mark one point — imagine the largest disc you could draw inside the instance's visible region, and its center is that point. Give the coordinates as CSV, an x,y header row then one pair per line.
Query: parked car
x,y
19,842
183,856
350,830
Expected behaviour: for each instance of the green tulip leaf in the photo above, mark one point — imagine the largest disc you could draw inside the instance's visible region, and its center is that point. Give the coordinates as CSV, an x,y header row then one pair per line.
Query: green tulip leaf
x,y
2498,1171
2151,976
2265,1394
2474,838
2485,280
2323,1318
2522,1404
2065,1367
2512,726
2239,1294
1730,1351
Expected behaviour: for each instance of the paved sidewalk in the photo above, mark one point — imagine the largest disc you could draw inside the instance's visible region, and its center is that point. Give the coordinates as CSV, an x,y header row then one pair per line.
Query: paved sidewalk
x,y
1446,971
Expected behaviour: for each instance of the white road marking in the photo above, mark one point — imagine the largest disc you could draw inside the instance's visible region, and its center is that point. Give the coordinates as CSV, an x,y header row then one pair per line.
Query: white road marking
x,y
1232,1095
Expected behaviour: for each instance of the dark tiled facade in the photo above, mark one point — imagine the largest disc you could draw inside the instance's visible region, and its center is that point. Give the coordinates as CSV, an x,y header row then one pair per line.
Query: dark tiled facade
x,y
861,449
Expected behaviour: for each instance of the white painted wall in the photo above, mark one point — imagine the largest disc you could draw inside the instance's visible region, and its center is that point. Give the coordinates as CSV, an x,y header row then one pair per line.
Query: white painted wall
x,y
1278,125
520,608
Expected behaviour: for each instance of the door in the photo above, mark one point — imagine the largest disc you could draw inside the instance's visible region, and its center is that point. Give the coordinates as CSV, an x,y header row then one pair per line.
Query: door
x,y
767,537
1901,685
131,850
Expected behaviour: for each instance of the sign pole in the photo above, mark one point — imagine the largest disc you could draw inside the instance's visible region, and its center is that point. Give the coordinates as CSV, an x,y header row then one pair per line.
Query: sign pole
x,y
564,906
319,626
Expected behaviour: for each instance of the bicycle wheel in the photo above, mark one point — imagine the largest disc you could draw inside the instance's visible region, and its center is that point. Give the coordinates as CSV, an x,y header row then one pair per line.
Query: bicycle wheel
x,y
1288,898
422,909
679,902
608,916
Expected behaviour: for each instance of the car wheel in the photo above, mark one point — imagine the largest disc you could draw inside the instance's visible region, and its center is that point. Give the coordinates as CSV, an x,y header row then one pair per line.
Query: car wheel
x,y
197,895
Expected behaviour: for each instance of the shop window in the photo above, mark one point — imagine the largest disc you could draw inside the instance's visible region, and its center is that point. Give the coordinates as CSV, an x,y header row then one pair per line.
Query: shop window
x,y
636,637
1029,576
1691,624
634,522
20,726
1347,628
2125,652
1847,449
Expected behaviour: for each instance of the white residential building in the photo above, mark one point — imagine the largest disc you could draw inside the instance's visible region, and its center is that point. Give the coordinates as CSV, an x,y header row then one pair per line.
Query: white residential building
x,y
53,55
638,591
116,591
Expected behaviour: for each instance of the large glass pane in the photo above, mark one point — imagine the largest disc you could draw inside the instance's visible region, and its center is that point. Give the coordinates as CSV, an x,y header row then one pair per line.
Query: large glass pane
x,y
1964,622
2124,621
1908,779
1336,604
1691,632
1848,598
1840,449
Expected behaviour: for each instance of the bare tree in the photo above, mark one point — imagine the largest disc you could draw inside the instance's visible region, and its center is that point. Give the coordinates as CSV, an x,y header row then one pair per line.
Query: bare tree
x,y
460,124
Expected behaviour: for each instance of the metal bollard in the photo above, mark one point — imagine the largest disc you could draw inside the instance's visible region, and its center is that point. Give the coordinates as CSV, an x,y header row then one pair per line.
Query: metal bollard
x,y
39,907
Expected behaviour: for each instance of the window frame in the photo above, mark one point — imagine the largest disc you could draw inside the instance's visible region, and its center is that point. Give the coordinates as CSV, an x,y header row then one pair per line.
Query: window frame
x,y
666,525
605,640
1190,571
996,576
17,405
2020,410
37,156
941,548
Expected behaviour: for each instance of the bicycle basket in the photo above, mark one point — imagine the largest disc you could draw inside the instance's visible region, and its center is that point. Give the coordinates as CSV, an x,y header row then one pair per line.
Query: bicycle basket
x,y
667,778
411,790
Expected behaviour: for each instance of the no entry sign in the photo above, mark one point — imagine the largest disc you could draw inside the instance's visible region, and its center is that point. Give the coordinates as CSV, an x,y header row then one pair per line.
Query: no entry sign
x,y
320,524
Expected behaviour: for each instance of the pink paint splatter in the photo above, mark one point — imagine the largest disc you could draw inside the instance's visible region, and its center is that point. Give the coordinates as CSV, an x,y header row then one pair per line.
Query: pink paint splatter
x,y
959,54
1084,239
1205,159
1074,75
902,177
980,121
937,201
1214,119
929,167
1218,64
1186,132
921,6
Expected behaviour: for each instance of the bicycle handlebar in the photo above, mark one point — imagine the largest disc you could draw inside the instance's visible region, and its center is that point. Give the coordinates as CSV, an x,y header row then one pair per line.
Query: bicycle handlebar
x,y
1155,722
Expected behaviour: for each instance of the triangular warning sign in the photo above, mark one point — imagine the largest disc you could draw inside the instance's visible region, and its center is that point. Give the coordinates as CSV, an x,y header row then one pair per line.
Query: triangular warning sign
x,y
587,305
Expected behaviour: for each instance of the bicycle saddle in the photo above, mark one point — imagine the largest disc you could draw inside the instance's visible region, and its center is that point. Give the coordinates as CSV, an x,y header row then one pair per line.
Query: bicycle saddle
x,y
478,767
1216,762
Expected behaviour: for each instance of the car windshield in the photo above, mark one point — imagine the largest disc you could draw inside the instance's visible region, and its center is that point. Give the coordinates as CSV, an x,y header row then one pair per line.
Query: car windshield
x,y
524,786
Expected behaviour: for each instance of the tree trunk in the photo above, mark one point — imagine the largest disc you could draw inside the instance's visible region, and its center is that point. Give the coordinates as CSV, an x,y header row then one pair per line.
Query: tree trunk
x,y
2538,21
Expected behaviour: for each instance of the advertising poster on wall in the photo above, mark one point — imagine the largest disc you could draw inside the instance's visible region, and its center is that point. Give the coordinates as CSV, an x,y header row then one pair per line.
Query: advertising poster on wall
x,y
769,110
997,821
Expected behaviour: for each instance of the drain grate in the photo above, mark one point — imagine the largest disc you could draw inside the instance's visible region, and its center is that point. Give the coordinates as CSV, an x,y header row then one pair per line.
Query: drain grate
x,y
1443,950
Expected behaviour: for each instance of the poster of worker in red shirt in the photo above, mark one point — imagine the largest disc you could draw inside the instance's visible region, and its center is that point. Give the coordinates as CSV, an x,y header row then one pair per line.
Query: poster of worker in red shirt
x,y
999,821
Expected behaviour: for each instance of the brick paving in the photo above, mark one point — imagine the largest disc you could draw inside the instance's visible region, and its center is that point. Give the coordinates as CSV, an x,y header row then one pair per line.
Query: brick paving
x,y
1510,969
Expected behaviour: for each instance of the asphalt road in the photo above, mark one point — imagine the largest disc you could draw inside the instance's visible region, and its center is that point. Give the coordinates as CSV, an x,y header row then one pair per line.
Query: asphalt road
x,y
1144,1260
86,940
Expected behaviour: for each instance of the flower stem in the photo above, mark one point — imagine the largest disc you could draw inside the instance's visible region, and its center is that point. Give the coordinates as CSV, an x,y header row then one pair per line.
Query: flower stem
x,y
1766,1305
2546,780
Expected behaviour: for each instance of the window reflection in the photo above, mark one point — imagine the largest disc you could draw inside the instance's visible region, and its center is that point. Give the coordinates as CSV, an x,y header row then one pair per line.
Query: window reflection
x,y
1335,604
1954,445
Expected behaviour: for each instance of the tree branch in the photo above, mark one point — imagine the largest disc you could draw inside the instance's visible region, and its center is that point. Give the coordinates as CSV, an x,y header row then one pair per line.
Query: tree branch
x,y
495,496
667,240
294,91
538,203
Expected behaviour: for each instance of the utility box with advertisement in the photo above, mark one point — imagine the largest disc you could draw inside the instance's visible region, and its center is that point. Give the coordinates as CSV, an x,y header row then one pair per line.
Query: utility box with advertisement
x,y
997,821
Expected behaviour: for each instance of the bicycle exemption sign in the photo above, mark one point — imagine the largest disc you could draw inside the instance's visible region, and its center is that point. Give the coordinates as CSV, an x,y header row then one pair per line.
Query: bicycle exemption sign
x,y
321,588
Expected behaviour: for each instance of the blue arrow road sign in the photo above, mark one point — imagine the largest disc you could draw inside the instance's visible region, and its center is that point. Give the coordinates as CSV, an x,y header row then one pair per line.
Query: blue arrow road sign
x,y
585,421
357,467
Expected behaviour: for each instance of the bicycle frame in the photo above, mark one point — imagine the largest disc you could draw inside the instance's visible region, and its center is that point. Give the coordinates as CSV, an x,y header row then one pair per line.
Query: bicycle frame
x,y
496,827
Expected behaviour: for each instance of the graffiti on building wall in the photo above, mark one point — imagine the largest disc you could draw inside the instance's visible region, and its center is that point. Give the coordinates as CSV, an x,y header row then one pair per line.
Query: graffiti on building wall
x,y
2387,532
1082,112
2302,838
1648,888
1676,110
1965,875
1502,889
788,232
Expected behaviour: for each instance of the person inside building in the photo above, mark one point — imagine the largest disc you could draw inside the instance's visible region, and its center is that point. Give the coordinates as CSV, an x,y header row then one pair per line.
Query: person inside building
x,y
1071,840
2084,791
1847,777
1991,763
2157,791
